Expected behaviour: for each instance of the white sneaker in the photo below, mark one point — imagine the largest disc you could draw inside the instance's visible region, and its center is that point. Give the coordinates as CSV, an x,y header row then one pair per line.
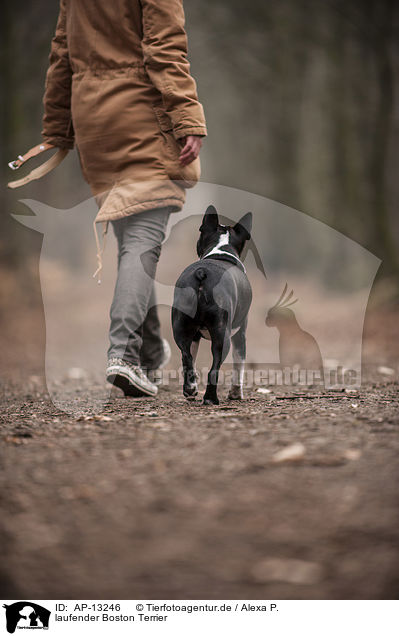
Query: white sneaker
x,y
154,375
130,378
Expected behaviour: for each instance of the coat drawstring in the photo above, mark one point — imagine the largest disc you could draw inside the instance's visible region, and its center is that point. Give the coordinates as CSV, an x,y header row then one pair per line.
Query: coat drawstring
x,y
100,248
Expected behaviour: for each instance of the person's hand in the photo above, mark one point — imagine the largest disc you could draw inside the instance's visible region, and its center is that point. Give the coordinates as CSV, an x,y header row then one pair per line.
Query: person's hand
x,y
191,148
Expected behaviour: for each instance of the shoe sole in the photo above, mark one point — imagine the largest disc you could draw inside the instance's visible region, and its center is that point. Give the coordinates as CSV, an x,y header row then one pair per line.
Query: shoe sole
x,y
127,386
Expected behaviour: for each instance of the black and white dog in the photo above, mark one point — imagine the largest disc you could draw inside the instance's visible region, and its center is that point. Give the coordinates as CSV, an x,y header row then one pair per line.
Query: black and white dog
x,y
212,299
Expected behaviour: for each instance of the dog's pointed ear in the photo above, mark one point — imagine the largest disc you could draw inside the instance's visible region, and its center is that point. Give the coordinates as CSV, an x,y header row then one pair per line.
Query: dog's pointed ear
x,y
211,219
244,226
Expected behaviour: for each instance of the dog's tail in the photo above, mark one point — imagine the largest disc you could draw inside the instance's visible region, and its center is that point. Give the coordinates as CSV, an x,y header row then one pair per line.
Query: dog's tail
x,y
200,274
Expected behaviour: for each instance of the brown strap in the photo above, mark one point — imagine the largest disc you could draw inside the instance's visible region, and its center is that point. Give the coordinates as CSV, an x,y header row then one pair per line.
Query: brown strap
x,y
41,170
100,248
36,150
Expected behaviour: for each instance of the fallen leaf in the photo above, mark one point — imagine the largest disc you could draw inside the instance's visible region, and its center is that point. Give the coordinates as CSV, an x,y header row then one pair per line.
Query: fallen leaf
x,y
291,453
293,571
353,454
386,370
125,452
76,373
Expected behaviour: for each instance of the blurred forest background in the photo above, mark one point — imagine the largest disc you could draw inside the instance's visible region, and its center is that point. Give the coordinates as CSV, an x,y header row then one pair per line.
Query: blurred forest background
x,y
301,102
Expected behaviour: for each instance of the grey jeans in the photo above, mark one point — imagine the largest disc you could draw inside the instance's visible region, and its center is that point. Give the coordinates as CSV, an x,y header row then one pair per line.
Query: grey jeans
x,y
134,333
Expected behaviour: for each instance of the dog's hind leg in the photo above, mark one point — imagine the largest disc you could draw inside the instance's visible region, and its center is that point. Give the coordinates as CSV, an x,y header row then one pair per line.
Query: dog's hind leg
x,y
194,346
194,350
190,387
239,351
184,334
220,349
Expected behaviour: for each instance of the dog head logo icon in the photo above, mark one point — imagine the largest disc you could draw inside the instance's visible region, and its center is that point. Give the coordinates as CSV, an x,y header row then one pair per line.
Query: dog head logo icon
x,y
26,615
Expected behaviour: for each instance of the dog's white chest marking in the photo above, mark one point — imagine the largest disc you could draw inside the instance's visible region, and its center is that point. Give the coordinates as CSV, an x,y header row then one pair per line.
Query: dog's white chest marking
x,y
223,240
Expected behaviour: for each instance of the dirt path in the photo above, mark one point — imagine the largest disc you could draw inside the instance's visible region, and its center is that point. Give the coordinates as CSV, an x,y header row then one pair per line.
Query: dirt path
x,y
166,499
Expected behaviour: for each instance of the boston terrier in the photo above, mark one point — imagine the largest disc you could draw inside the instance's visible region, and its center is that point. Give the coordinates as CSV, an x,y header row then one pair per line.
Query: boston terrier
x,y
211,300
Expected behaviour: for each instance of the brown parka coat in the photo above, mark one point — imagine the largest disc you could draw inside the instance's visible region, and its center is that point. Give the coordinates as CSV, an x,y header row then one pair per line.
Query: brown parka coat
x,y
119,87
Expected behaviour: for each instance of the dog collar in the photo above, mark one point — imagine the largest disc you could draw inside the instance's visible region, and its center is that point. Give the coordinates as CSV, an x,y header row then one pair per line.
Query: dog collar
x,y
221,255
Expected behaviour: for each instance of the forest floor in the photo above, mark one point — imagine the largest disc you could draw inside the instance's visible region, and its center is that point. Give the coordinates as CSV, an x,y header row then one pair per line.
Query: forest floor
x,y
161,498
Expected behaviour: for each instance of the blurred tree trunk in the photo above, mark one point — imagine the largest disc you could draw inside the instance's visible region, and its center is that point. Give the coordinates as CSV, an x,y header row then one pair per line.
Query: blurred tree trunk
x,y
9,105
299,97
383,16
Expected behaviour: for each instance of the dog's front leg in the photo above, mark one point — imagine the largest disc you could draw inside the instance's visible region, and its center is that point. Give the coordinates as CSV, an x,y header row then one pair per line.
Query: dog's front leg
x,y
239,351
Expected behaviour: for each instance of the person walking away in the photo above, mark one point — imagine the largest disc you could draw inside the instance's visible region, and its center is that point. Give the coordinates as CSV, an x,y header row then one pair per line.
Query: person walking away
x,y
119,88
